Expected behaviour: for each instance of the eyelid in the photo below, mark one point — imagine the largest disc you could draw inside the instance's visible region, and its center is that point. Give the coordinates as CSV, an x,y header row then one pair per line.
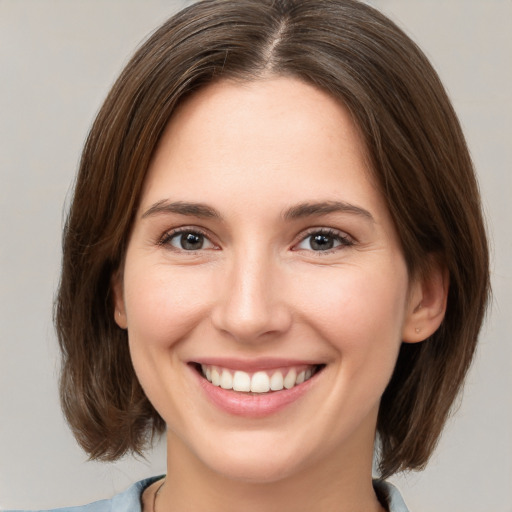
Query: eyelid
x,y
170,233
345,239
342,236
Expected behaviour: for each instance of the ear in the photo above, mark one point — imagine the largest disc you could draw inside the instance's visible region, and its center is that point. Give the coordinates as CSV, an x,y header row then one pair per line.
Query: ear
x,y
116,283
428,295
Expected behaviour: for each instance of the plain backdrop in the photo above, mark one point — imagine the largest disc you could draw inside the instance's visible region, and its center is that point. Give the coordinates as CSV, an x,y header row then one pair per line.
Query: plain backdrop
x,y
58,59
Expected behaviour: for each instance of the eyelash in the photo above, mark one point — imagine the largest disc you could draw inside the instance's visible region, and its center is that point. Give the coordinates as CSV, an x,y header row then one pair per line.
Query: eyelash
x,y
337,236
169,235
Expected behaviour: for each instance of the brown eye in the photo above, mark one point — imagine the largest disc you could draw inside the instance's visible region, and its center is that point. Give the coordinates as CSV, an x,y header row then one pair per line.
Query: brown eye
x,y
187,241
320,241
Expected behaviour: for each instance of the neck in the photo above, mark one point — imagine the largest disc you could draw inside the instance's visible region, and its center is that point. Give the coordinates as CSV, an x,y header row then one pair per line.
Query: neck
x,y
330,485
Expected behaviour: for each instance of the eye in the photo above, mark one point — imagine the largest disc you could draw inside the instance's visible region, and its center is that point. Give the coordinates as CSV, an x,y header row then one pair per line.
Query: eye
x,y
187,240
324,240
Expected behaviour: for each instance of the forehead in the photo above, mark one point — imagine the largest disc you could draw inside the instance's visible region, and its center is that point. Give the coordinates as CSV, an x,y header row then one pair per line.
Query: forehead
x,y
227,111
265,137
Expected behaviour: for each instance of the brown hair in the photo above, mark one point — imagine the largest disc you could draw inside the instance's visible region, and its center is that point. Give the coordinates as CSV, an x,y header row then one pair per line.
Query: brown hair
x,y
417,152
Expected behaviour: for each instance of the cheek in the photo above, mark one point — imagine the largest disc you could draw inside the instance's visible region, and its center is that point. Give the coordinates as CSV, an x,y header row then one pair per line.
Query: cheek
x,y
356,308
162,304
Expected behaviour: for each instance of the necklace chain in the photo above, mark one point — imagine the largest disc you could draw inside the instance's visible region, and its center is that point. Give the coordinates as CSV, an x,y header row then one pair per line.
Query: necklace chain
x,y
157,492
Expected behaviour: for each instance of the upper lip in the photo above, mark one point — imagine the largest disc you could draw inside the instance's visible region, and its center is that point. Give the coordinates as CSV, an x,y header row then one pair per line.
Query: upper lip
x,y
253,364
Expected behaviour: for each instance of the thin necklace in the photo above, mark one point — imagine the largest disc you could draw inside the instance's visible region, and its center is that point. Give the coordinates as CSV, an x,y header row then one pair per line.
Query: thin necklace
x,y
156,494
382,504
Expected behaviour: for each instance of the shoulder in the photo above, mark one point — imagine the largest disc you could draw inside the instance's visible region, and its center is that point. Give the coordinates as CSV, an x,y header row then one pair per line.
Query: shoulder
x,y
128,500
390,495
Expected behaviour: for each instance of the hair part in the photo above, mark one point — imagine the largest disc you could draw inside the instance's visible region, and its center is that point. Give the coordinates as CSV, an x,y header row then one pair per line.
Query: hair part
x,y
417,154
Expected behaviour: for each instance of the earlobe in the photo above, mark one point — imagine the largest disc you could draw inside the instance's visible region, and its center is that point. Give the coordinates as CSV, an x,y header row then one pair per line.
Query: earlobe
x,y
427,303
116,284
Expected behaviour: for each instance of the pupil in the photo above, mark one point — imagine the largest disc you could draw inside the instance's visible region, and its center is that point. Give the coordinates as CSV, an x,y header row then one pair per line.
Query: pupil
x,y
191,241
321,242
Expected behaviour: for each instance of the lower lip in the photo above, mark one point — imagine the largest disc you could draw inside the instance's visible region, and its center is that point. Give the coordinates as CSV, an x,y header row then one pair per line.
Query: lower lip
x,y
253,405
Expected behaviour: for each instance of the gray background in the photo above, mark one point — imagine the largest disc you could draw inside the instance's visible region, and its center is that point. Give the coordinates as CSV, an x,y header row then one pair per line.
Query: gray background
x,y
57,61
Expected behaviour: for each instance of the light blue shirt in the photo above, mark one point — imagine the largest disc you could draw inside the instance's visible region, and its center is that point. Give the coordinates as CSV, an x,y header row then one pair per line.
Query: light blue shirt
x,y
130,500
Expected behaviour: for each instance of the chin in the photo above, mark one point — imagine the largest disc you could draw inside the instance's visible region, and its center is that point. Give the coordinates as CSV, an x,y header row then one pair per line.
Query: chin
x,y
255,459
255,470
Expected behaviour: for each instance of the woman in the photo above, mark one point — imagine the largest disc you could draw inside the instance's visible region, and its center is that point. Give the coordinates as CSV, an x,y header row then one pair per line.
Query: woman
x,y
275,250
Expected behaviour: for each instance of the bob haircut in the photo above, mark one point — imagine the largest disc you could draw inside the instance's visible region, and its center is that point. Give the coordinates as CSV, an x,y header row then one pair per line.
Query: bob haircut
x,y
416,151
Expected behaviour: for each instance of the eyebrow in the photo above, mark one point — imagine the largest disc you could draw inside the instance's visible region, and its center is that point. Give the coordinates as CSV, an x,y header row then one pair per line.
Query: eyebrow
x,y
298,211
182,208
325,207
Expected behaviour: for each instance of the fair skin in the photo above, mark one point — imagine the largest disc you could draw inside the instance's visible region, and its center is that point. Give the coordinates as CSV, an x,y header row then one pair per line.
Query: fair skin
x,y
261,244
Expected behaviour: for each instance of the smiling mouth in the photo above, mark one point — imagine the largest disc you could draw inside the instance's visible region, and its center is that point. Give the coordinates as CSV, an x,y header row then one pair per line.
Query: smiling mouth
x,y
259,382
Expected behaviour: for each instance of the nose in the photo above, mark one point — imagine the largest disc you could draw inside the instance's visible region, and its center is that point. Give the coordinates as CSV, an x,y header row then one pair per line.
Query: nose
x,y
252,305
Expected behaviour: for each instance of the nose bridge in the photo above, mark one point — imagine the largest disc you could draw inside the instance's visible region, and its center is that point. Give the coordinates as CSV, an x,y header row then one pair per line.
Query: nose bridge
x,y
252,303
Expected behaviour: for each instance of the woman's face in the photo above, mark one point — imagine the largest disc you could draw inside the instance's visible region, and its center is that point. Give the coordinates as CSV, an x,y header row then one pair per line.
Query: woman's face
x,y
262,255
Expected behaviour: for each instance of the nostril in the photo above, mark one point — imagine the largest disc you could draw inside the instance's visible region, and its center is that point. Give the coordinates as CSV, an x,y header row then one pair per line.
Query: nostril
x,y
253,326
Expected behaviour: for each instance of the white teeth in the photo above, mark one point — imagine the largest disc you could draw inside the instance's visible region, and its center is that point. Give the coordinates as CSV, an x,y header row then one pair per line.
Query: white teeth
x,y
260,383
207,372
215,377
226,380
289,380
242,381
276,381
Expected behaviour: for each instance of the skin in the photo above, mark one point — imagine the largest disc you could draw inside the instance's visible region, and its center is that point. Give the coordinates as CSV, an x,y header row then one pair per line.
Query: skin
x,y
257,288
